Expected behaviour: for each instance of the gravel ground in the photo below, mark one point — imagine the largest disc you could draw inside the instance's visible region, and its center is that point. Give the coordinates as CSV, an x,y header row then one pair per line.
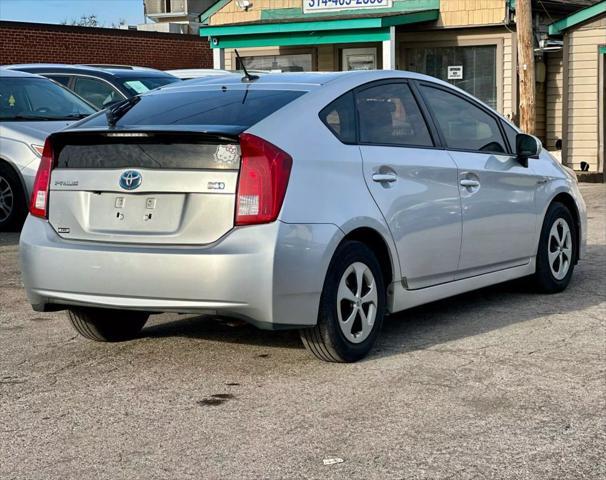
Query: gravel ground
x,y
497,383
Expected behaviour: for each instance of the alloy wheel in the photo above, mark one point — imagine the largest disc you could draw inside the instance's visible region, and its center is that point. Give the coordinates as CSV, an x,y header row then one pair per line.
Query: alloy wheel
x,y
357,301
6,199
559,249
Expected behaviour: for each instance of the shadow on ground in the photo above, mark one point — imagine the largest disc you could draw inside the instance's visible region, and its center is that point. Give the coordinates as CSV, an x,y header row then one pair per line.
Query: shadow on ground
x,y
9,238
465,315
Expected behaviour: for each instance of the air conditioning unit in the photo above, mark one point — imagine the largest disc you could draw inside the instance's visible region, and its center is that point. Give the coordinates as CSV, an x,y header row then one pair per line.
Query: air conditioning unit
x,y
549,45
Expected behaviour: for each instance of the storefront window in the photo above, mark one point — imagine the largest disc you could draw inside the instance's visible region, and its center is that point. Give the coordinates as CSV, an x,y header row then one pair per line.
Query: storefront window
x,y
473,69
300,62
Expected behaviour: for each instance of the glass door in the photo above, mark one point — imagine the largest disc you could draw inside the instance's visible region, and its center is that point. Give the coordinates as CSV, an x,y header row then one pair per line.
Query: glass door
x,y
359,59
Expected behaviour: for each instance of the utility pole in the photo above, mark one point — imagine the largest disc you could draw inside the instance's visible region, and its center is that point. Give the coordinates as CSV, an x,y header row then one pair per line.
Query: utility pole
x,y
526,71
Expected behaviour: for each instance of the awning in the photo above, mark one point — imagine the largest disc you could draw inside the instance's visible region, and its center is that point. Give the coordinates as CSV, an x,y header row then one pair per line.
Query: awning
x,y
558,28
312,31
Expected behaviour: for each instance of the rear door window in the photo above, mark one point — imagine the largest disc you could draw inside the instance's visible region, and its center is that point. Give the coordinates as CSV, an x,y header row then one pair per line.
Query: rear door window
x,y
99,93
62,79
389,115
464,125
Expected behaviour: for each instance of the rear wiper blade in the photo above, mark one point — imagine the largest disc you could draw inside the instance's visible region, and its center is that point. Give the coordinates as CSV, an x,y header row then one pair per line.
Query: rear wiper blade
x,y
118,110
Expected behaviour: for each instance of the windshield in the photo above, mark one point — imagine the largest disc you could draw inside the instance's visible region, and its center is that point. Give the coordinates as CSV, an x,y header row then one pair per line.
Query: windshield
x,y
39,99
137,85
239,107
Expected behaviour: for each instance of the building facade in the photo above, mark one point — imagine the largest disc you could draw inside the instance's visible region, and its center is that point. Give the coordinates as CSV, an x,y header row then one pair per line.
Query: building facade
x,y
174,16
577,81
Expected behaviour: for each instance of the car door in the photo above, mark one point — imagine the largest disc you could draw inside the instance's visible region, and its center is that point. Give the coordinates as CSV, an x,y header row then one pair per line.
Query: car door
x,y
412,180
497,191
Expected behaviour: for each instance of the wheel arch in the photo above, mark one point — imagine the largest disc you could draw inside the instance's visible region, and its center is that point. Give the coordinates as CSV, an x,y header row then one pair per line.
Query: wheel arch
x,y
377,243
568,201
17,172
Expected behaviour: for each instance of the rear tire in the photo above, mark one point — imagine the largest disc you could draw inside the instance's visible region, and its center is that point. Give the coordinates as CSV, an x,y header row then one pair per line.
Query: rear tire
x,y
556,253
104,325
352,306
13,208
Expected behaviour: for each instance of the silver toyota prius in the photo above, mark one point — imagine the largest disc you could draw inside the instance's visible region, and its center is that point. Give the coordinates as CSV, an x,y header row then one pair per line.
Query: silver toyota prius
x,y
320,202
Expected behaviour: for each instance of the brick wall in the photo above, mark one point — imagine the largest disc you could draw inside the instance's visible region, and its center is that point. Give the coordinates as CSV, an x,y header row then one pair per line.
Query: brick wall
x,y
42,43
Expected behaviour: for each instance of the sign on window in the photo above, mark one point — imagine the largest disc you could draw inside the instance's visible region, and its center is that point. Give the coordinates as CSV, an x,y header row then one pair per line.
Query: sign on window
x,y
316,6
455,72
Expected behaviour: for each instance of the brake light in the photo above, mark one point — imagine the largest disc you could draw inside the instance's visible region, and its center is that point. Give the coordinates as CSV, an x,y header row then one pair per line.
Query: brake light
x,y
38,206
264,175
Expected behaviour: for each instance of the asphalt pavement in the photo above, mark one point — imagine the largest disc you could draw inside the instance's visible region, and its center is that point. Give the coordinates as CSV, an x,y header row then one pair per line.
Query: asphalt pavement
x,y
500,383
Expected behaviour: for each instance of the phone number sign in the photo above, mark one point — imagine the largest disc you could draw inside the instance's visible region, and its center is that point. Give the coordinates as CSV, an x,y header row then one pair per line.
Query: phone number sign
x,y
314,6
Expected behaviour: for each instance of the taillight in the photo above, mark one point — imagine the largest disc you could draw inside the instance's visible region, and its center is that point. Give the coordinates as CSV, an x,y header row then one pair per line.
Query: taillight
x,y
264,175
39,202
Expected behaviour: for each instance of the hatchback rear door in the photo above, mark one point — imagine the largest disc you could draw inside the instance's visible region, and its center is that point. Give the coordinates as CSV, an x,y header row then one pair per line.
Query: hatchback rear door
x,y
161,169
413,182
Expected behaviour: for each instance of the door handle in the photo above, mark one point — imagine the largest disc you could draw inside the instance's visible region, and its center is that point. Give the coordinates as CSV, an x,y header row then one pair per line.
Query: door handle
x,y
467,183
384,177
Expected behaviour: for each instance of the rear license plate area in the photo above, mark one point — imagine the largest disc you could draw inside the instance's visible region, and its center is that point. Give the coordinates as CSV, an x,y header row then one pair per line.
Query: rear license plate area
x,y
159,213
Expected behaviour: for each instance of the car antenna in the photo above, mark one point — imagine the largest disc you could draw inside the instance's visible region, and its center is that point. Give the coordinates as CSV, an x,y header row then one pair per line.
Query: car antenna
x,y
247,78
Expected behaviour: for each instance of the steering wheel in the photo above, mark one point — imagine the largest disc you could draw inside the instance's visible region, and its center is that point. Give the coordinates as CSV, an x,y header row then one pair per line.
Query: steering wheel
x,y
494,147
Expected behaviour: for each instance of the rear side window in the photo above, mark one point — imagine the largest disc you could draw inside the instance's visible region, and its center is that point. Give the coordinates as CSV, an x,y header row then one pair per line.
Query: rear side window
x,y
389,115
97,92
239,107
464,125
340,118
62,79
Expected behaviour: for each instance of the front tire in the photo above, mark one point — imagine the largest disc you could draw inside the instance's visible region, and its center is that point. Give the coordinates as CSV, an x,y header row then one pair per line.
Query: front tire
x,y
352,306
556,253
104,325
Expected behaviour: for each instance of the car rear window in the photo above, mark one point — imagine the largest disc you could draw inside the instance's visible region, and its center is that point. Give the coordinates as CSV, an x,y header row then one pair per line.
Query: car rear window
x,y
238,107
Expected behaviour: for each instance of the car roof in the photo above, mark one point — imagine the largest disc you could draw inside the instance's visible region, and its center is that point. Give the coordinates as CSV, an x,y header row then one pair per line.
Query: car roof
x,y
295,80
99,71
6,73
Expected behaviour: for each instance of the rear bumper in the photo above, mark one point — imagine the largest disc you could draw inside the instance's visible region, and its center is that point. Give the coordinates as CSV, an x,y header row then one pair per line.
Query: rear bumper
x,y
271,275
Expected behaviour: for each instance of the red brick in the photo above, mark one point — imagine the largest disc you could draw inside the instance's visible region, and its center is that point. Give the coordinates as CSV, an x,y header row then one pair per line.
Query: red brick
x,y
32,42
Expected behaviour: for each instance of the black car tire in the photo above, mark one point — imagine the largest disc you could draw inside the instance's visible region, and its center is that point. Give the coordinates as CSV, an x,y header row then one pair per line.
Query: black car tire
x,y
544,279
104,325
13,204
326,339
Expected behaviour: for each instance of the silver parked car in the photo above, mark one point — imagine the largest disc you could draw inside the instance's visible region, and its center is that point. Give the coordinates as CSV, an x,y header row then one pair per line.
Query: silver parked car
x,y
319,202
31,107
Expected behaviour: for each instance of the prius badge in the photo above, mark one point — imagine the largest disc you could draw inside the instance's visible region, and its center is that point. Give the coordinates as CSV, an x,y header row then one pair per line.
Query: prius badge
x,y
130,180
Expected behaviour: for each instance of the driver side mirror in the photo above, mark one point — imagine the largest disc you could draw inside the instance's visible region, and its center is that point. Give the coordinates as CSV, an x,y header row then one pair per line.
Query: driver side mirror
x,y
527,147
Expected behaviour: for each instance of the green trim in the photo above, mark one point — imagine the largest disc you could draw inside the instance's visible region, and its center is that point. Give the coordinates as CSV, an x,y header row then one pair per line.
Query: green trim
x,y
581,16
398,6
602,50
307,29
302,38
293,27
209,12
416,17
